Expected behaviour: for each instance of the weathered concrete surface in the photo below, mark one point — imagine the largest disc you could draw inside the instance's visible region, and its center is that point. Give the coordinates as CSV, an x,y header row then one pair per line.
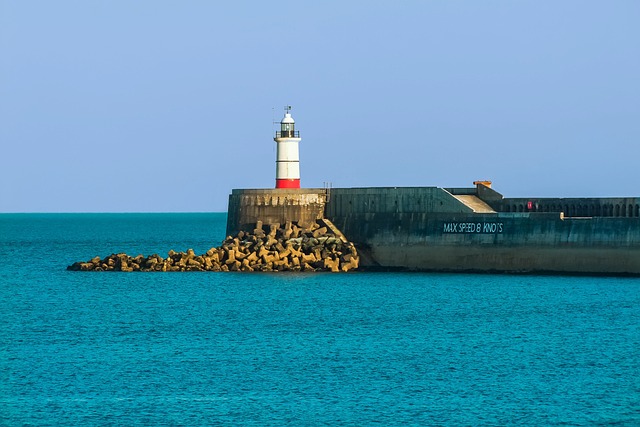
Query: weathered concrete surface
x,y
530,259
430,228
478,205
505,242
344,201
273,206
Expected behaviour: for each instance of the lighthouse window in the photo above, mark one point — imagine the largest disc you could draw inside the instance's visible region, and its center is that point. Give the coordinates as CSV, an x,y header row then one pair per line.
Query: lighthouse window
x,y
286,127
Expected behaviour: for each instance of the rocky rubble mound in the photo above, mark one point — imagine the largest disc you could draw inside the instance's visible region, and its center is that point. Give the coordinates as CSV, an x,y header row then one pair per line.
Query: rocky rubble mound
x,y
288,248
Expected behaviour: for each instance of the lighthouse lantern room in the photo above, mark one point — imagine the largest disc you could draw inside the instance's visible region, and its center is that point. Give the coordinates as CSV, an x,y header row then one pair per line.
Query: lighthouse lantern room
x,y
287,157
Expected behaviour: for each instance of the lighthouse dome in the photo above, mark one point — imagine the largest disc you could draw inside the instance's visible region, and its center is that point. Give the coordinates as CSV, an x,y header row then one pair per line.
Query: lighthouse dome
x,y
287,119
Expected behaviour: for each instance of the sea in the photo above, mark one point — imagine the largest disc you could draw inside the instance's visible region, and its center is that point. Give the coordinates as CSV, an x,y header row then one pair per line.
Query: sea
x,y
297,349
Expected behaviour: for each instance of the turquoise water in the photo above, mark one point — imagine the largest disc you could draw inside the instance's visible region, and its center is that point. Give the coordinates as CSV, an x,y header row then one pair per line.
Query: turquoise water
x,y
297,349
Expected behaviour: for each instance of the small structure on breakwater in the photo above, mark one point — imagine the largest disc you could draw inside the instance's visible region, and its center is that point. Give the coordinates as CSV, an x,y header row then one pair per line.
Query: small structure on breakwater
x,y
316,246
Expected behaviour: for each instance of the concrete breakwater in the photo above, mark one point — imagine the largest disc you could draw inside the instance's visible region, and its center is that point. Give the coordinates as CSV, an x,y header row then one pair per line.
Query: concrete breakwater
x,y
316,246
472,229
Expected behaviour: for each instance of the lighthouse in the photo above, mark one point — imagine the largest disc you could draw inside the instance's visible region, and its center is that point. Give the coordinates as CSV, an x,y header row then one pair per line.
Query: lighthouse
x,y
287,158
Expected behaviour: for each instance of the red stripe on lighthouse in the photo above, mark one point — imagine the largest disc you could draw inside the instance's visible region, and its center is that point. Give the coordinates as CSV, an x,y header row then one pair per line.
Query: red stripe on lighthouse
x,y
287,183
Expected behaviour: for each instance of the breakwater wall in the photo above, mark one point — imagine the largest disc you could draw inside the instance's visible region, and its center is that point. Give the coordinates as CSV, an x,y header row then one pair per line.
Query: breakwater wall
x,y
431,228
274,206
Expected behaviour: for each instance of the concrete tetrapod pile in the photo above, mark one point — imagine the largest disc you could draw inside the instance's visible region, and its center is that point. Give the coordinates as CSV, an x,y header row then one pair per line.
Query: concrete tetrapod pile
x,y
314,247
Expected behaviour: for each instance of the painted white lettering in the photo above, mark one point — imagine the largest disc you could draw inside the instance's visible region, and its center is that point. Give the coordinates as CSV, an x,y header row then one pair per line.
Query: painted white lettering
x,y
473,227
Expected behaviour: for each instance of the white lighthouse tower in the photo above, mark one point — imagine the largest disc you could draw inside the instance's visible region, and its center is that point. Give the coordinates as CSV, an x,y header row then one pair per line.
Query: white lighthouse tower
x,y
287,157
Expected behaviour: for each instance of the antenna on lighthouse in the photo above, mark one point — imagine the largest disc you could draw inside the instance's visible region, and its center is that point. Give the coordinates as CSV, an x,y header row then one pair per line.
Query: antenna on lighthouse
x,y
287,157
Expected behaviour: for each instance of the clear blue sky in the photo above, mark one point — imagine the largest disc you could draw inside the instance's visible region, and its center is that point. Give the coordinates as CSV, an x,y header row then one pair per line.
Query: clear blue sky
x,y
126,106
